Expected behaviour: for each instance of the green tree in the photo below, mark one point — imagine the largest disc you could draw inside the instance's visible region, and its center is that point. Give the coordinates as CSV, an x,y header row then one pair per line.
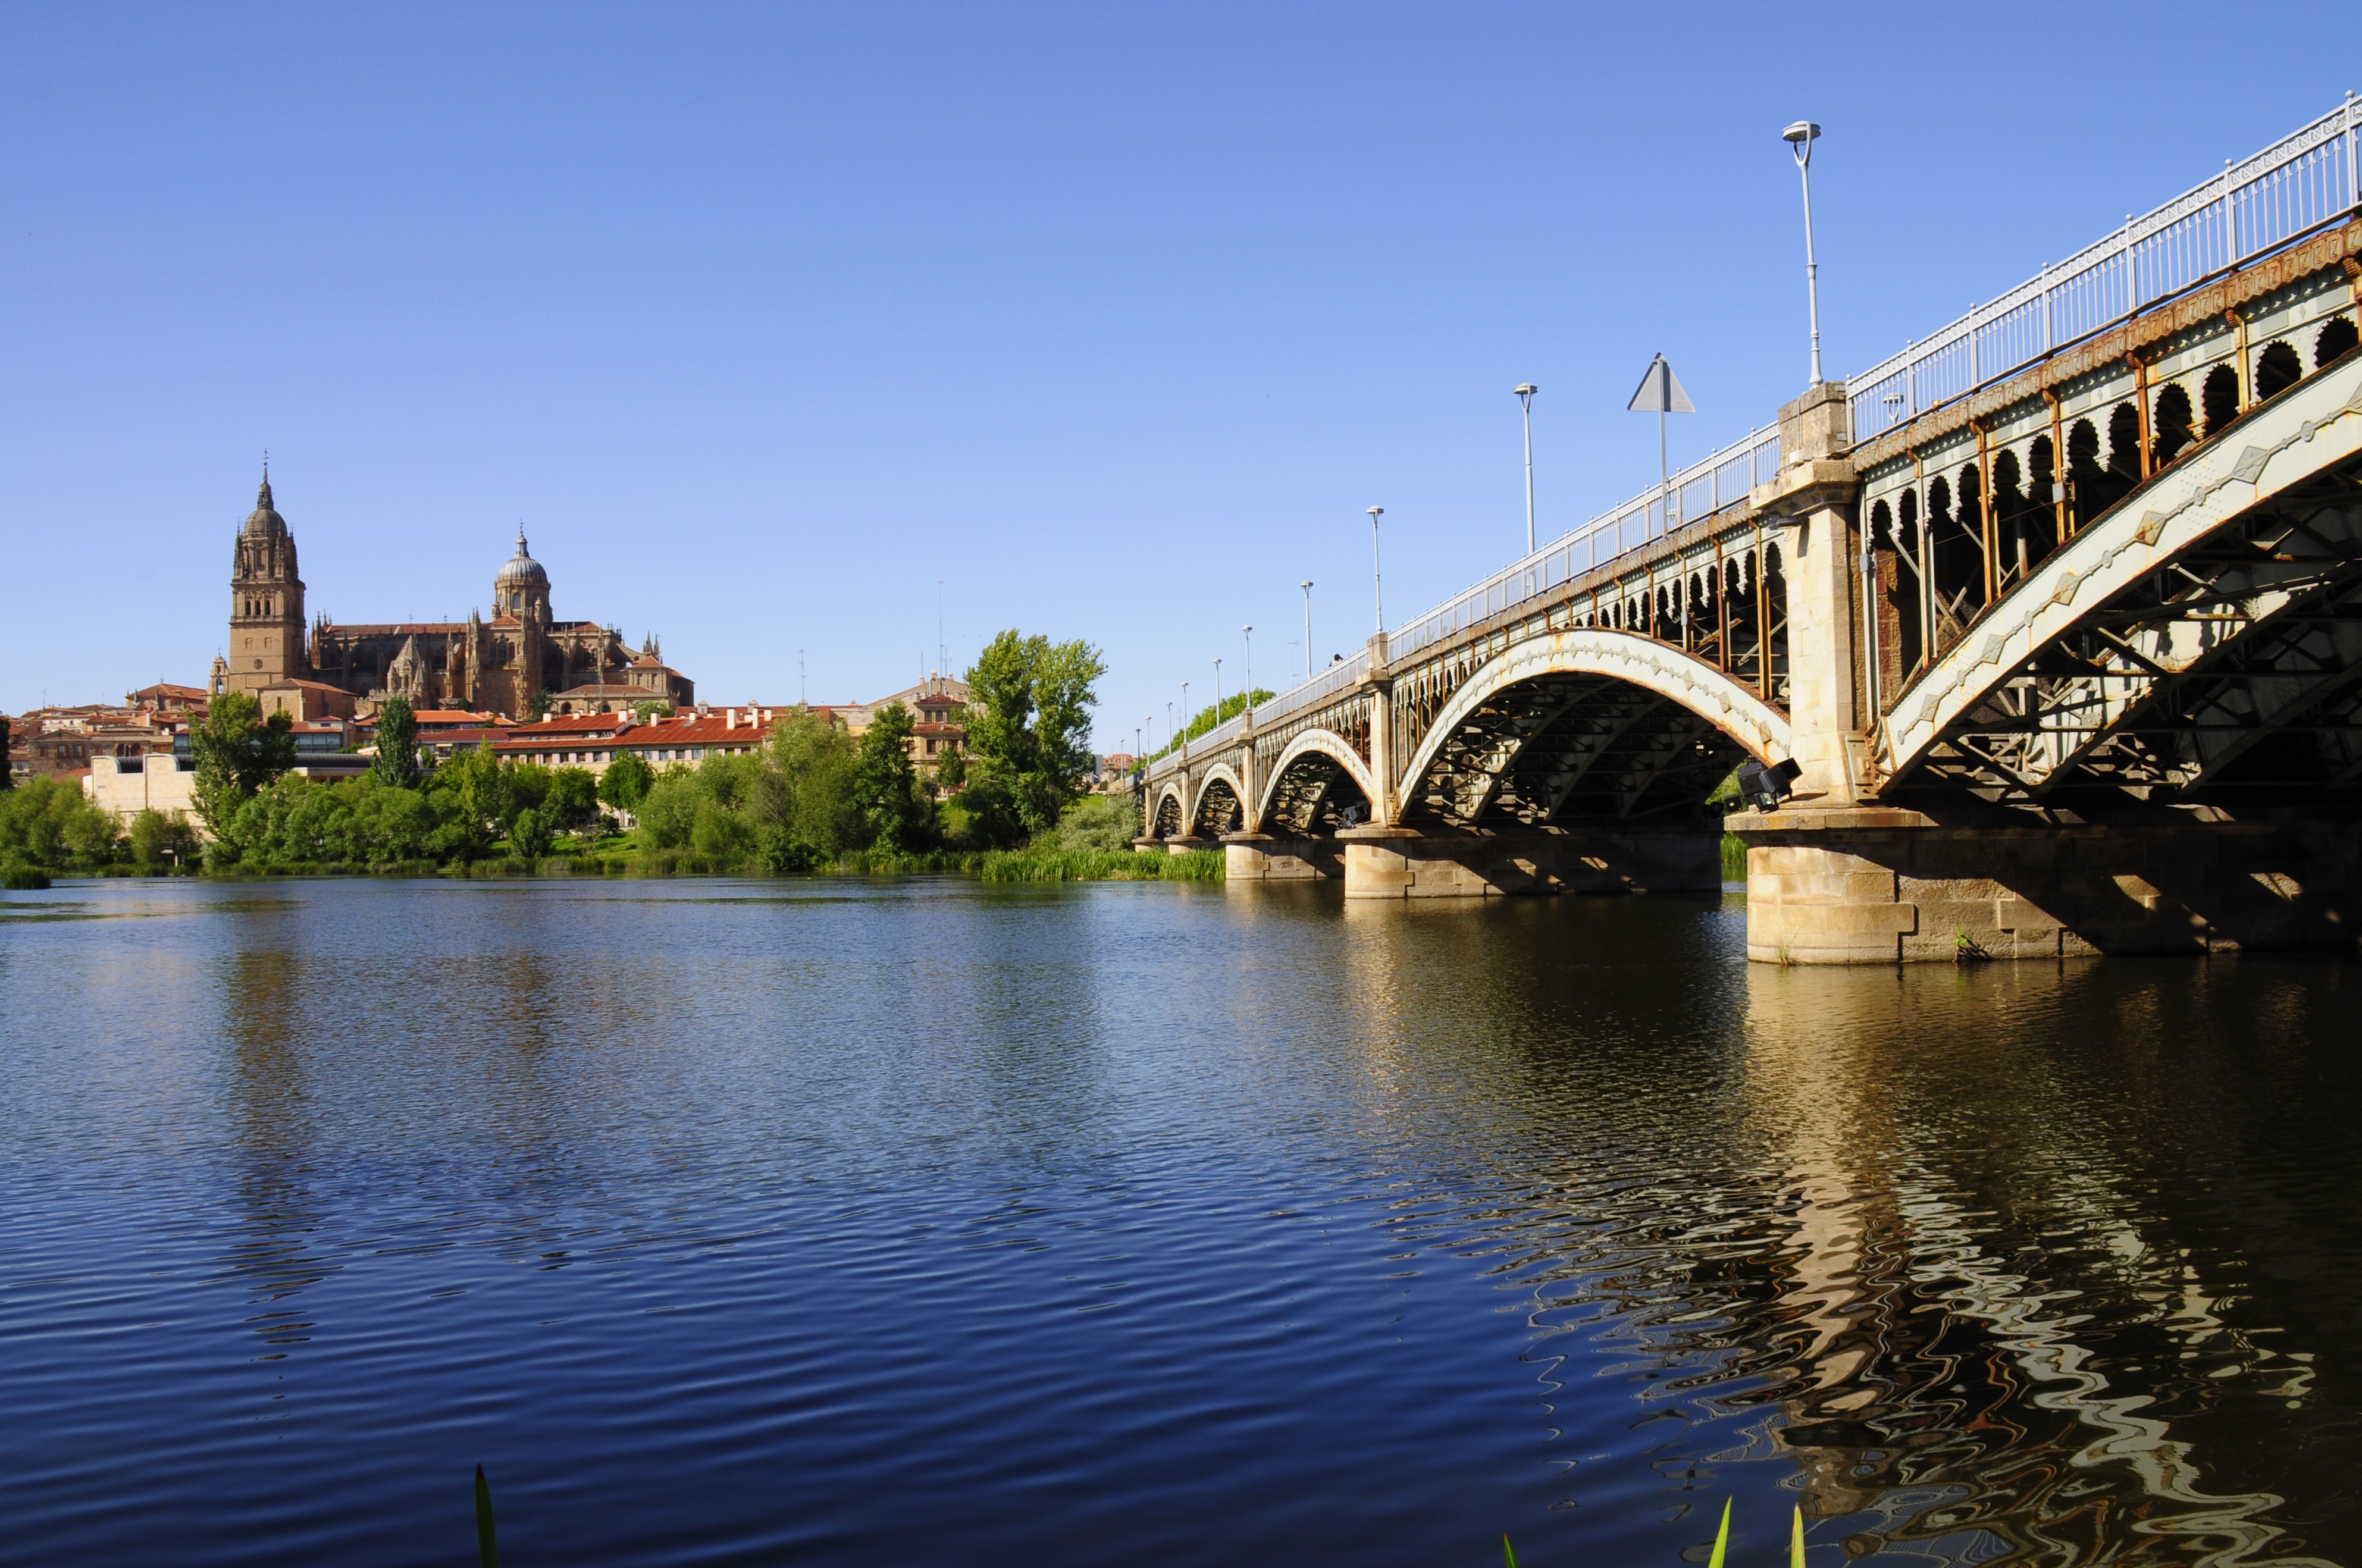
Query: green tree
x,y
897,812
572,801
397,746
1026,720
51,825
537,705
238,752
529,836
800,800
158,840
1210,715
473,805
667,812
1095,823
951,772
528,786
625,783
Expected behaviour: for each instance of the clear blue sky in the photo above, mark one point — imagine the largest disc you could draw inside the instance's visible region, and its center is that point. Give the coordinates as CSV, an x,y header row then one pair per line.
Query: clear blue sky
x,y
1111,318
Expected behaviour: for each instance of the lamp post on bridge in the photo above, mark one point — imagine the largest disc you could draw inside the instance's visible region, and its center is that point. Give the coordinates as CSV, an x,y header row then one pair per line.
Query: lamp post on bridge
x,y
1800,138
1168,718
1306,586
1248,631
1217,688
1185,713
1524,390
1377,572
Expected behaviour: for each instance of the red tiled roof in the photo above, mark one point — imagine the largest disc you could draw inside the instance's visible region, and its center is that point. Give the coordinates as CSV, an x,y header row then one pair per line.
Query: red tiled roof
x,y
562,723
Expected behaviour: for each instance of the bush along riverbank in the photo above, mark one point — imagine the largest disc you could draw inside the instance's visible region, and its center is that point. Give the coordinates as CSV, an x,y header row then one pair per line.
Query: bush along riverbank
x,y
809,798
989,865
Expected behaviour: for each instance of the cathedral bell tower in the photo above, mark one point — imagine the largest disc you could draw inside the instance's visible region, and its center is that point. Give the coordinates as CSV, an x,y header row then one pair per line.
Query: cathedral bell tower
x,y
266,607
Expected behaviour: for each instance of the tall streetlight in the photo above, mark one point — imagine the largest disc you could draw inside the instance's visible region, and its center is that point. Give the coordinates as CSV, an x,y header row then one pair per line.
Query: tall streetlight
x,y
1185,713
1800,138
1377,573
1217,689
1248,631
1306,586
1168,719
1524,390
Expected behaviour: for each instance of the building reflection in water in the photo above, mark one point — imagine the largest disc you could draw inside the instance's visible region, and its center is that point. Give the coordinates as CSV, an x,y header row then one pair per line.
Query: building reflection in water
x,y
277,1254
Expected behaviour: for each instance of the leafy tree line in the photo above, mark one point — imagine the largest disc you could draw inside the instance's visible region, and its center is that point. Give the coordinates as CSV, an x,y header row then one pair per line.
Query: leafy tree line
x,y
809,795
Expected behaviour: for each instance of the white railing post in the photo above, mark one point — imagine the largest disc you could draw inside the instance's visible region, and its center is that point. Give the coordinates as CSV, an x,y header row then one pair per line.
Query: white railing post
x,y
2131,269
2230,224
2353,172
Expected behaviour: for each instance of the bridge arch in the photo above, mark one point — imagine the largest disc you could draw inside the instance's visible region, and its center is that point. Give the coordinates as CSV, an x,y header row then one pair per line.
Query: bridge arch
x,y
1587,722
1301,786
1218,802
1170,811
2210,611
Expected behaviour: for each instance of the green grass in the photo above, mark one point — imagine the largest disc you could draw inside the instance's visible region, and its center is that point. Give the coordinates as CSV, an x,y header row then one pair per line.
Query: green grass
x,y
1101,866
996,865
1734,858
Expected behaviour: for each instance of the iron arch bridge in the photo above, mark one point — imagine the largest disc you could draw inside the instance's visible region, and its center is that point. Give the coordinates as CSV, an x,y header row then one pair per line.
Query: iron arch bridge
x,y
2058,613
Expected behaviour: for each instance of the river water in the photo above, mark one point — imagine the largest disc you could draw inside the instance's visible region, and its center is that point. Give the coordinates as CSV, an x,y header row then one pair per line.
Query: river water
x,y
904,1222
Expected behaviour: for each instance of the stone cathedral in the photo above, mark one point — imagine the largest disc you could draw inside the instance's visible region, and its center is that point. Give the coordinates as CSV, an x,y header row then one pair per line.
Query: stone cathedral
x,y
501,665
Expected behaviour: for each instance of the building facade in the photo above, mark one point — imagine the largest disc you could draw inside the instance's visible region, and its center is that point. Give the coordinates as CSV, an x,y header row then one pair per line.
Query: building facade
x,y
938,706
523,656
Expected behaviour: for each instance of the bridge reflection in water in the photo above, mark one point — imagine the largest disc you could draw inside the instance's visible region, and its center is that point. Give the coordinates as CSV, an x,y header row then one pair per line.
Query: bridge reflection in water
x,y
2013,1259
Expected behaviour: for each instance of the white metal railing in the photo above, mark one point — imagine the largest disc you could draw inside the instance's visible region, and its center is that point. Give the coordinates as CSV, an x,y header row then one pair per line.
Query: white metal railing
x,y
2298,183
1699,490
1345,674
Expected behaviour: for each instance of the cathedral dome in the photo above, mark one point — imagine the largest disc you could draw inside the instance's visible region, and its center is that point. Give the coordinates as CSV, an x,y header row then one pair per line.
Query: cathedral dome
x,y
264,520
522,570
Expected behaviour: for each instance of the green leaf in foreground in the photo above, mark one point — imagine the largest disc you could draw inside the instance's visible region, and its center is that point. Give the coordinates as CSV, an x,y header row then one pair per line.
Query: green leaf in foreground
x,y
487,1547
1508,1551
1721,1537
1797,1540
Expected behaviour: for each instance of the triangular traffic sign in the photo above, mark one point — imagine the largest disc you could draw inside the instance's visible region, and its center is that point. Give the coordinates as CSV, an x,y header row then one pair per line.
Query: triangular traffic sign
x,y
1660,391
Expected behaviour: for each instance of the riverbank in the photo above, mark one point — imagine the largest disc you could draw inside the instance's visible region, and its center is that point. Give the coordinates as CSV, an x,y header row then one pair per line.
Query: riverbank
x,y
987,866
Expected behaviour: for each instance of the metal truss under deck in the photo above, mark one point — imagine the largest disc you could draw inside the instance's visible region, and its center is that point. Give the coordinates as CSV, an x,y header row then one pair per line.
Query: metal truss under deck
x,y
2235,666
1574,747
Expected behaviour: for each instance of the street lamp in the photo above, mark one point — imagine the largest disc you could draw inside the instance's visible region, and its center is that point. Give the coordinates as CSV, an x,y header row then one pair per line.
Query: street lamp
x,y
1217,688
1377,573
1306,586
1524,390
1168,719
1800,138
1185,713
1248,631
